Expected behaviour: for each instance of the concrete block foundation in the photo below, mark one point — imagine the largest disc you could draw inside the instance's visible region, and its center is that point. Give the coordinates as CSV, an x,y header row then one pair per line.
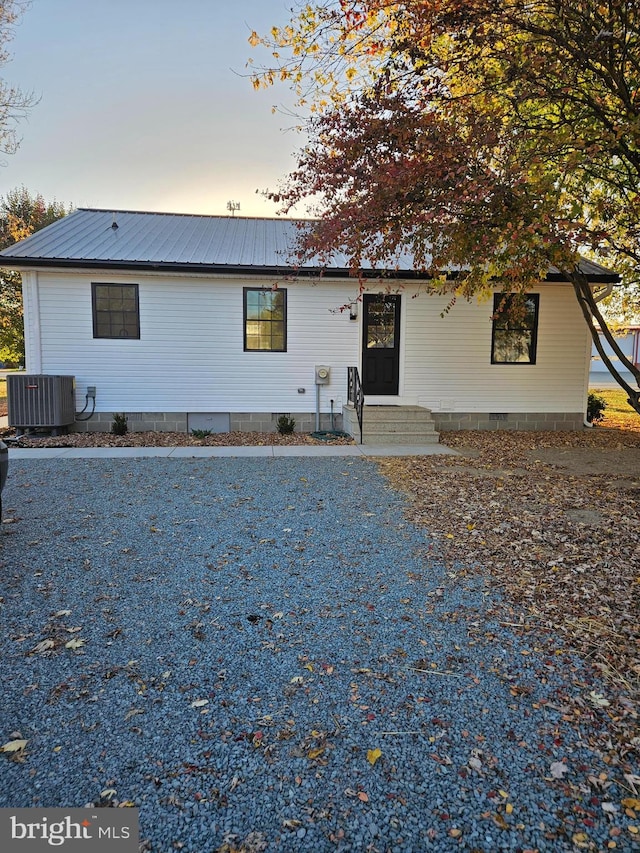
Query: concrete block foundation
x,y
538,421
185,421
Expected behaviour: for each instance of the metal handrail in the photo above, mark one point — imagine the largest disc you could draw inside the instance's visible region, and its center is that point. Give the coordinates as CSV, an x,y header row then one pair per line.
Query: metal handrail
x,y
355,395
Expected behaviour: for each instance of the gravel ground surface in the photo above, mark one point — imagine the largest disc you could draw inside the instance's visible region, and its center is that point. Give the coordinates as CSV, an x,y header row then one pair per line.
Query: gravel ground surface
x,y
262,655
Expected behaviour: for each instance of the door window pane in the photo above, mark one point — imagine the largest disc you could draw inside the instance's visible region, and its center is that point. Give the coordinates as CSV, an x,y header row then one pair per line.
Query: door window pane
x,y
381,323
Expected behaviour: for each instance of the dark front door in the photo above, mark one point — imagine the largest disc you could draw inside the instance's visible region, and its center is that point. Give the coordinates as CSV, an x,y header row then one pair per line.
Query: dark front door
x,y
381,343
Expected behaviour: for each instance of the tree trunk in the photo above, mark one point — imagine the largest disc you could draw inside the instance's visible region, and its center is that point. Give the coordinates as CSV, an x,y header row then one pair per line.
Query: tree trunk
x,y
592,315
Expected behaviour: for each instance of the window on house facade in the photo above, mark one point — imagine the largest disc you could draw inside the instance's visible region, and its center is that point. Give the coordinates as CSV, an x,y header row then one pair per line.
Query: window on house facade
x,y
515,328
265,320
116,312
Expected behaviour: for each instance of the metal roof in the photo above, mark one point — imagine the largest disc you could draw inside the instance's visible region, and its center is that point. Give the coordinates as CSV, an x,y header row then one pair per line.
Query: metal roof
x,y
160,239
135,240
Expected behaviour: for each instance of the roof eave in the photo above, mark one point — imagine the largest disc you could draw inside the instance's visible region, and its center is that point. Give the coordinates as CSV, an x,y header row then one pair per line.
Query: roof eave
x,y
239,269
168,266
592,278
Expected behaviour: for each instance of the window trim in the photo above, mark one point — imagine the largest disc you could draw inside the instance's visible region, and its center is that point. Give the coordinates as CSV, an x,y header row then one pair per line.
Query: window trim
x,y
497,299
94,310
283,291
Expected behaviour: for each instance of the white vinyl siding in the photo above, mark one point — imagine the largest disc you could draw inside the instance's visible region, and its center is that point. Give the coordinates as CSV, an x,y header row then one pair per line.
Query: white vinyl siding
x,y
190,355
447,360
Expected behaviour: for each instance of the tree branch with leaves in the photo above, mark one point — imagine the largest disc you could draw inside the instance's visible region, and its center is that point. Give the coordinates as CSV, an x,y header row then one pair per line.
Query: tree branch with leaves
x,y
495,138
14,103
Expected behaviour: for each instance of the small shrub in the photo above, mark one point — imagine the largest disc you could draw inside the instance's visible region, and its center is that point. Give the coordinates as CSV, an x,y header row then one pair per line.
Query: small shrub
x,y
286,425
201,433
595,408
119,424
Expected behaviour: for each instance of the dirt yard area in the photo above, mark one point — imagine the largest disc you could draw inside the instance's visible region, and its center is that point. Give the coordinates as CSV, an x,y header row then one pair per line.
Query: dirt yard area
x,y
551,521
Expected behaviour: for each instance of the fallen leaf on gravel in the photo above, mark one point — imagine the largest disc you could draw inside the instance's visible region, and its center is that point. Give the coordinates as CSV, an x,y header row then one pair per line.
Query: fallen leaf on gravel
x,y
634,781
475,763
499,821
198,703
43,646
315,753
631,803
558,769
61,613
132,712
598,700
13,745
373,755
76,643
579,839
363,797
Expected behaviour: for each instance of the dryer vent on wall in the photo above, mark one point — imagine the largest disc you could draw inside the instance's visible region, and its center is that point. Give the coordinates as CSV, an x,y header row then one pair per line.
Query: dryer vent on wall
x,y
40,400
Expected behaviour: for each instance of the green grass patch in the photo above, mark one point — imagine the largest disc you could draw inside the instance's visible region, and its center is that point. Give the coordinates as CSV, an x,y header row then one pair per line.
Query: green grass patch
x,y
615,398
618,412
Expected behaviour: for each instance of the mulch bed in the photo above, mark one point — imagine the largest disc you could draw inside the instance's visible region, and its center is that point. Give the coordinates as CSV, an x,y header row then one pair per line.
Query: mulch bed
x,y
172,439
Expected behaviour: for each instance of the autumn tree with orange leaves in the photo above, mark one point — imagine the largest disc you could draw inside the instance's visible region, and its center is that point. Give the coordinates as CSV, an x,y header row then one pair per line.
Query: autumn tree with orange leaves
x,y
494,137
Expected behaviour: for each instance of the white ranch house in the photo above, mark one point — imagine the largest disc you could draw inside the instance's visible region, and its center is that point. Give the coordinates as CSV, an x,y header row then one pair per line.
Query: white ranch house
x,y
202,322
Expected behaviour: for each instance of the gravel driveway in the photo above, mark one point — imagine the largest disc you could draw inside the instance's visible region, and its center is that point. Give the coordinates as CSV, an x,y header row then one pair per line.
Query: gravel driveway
x,y
262,654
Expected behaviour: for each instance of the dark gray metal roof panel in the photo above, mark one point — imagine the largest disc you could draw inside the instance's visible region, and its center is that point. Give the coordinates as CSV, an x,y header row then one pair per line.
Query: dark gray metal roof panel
x,y
88,237
162,238
589,268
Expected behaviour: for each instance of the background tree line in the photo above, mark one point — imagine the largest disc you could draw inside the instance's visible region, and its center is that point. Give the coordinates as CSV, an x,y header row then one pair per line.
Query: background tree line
x,y
21,214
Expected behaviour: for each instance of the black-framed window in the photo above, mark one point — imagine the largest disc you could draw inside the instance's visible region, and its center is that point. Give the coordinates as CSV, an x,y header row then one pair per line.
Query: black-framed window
x,y
116,312
265,320
514,338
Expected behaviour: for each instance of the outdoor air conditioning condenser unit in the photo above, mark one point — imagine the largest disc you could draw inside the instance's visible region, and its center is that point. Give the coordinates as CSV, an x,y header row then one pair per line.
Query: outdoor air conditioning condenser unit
x,y
39,401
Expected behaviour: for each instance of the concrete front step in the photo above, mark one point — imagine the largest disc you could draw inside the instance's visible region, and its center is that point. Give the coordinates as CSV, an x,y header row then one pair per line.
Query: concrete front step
x,y
411,425
406,414
398,426
414,439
